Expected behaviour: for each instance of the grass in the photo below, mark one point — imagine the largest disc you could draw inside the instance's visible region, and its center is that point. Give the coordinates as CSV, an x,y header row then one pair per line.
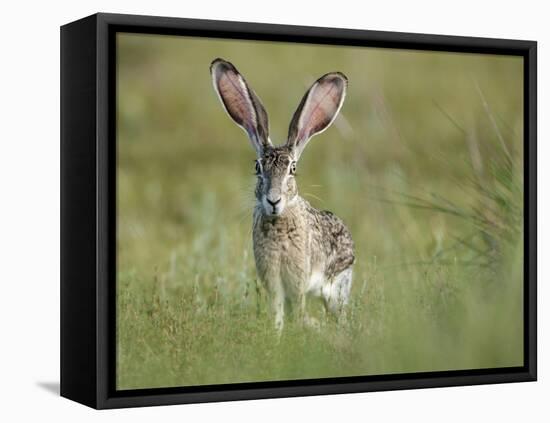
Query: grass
x,y
424,166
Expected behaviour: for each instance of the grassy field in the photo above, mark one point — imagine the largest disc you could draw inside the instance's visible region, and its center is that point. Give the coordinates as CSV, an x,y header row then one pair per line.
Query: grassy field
x,y
424,165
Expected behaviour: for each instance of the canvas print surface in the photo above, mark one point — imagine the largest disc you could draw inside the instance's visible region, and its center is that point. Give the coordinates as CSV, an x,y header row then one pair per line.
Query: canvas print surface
x,y
297,211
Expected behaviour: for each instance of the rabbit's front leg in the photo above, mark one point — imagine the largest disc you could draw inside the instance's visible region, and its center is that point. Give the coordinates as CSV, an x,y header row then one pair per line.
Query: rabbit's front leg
x,y
277,298
278,307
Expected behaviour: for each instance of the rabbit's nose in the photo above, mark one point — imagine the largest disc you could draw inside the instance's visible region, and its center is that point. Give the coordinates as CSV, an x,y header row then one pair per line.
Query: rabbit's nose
x,y
273,203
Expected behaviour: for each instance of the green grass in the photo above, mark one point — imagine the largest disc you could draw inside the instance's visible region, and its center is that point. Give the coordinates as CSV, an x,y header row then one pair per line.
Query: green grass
x,y
424,166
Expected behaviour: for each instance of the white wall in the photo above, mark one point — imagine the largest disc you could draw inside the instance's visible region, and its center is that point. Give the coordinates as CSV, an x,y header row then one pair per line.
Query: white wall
x,y
29,235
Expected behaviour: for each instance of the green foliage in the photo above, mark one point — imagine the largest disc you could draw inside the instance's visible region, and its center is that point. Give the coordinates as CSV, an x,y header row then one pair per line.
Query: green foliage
x,y
424,165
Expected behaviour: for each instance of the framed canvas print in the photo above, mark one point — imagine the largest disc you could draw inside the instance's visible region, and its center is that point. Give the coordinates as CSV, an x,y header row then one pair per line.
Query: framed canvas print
x,y
254,211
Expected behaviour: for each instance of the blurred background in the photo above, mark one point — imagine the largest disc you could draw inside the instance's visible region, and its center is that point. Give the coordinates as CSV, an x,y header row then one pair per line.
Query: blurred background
x,y
424,165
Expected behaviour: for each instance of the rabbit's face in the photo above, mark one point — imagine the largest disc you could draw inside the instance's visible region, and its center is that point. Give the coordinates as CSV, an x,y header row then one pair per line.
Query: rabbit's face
x,y
276,188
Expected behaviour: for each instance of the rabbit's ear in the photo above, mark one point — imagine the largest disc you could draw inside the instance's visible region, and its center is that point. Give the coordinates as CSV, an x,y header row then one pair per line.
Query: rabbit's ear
x,y
241,103
317,110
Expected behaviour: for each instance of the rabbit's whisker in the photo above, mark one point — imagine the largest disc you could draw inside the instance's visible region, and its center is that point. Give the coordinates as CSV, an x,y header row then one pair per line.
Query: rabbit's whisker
x,y
308,194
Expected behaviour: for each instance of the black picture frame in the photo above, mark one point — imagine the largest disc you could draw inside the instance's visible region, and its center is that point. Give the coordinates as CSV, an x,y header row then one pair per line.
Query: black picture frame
x,y
88,200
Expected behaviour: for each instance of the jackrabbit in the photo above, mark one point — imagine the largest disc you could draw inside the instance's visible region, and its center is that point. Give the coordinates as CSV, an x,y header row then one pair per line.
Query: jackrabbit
x,y
298,250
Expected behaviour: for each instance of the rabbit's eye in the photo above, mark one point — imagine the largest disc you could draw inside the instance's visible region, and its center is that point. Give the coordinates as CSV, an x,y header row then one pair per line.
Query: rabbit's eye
x,y
258,168
292,169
